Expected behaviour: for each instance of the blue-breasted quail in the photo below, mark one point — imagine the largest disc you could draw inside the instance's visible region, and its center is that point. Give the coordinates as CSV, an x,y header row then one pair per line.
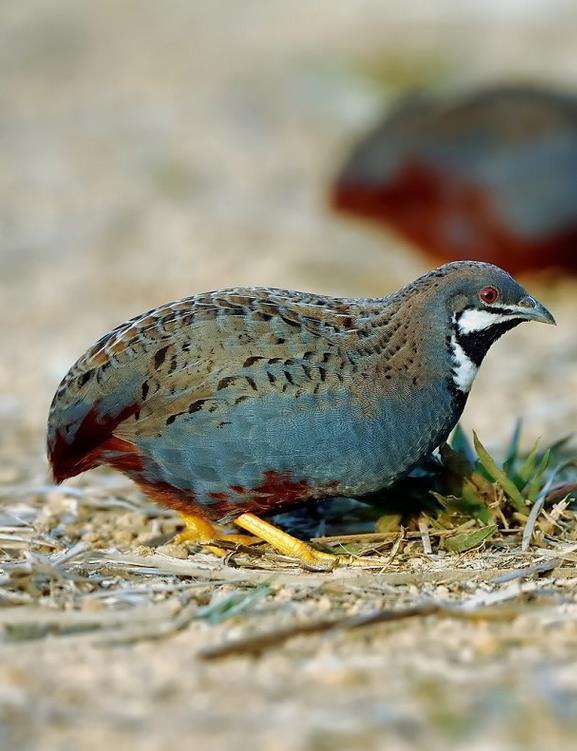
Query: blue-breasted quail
x,y
239,402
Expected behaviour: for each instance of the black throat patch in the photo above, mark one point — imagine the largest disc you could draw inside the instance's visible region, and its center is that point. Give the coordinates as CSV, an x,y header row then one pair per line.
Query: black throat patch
x,y
476,344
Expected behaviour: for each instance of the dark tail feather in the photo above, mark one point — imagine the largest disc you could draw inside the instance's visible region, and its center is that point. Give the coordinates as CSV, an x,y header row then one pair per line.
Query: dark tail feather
x,y
71,456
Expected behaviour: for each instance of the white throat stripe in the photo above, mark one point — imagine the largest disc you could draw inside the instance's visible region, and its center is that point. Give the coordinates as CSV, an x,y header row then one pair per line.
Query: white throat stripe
x,y
464,369
472,320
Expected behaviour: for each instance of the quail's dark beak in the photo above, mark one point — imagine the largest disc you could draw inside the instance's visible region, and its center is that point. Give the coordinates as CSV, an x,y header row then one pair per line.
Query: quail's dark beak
x,y
532,310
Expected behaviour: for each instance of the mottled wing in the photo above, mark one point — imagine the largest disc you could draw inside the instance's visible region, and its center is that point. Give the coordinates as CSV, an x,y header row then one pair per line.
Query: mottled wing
x,y
204,352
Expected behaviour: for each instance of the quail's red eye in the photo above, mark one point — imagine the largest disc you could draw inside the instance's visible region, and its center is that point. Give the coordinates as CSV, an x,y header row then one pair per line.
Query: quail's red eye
x,y
489,295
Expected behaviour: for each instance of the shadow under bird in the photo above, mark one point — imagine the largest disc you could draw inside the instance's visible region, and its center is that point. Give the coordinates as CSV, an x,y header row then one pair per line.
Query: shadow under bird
x,y
241,402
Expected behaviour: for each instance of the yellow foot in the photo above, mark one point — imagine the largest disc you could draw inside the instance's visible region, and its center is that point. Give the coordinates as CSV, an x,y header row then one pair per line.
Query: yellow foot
x,y
302,551
199,529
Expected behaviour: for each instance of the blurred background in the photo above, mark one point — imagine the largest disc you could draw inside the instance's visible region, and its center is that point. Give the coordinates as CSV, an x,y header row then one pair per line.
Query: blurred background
x,y
152,150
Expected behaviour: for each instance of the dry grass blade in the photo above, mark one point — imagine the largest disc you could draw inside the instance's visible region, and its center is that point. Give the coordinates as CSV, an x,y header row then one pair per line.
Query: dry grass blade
x,y
63,620
536,509
538,505
425,539
28,624
155,625
161,565
521,573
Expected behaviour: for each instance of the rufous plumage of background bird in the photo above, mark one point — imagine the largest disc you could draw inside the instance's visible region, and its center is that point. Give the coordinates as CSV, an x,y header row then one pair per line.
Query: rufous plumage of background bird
x,y
490,176
240,402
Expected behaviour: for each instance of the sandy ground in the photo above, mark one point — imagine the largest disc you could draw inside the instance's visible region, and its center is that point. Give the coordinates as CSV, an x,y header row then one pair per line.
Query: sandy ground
x,y
150,150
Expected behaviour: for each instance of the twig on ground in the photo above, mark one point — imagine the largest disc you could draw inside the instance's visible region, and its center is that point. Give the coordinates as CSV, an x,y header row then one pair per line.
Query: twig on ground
x,y
476,609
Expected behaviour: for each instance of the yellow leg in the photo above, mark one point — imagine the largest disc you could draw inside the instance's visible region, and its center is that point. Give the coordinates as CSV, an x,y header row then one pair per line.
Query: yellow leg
x,y
199,529
291,546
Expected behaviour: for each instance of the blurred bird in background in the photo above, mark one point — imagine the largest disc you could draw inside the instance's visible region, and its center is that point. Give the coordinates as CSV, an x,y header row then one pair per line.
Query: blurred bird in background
x,y
490,176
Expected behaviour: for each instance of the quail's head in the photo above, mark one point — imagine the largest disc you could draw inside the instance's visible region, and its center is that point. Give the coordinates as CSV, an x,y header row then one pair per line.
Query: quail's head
x,y
479,302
